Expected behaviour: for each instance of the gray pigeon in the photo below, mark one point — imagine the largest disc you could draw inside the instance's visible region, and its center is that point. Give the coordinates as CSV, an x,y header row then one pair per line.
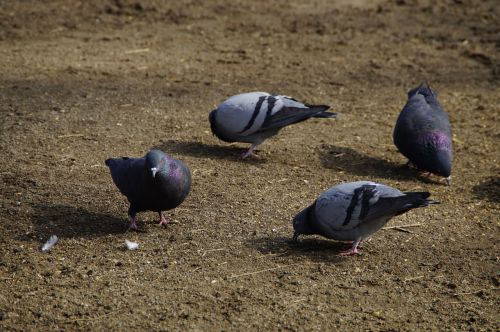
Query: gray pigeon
x,y
423,133
353,211
255,116
156,182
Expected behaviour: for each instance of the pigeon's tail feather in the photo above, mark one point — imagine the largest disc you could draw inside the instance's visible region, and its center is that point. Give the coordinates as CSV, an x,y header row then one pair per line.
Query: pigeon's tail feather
x,y
423,89
322,111
418,194
319,108
110,162
114,162
326,115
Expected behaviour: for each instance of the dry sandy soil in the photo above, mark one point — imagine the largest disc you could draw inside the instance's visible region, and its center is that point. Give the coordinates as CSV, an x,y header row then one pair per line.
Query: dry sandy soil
x,y
81,81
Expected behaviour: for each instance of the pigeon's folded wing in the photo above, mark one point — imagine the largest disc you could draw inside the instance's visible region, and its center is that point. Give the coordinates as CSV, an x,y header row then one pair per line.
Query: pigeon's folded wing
x,y
290,115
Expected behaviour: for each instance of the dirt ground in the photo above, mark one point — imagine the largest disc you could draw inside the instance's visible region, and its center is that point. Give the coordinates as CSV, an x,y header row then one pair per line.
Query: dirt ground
x,y
81,81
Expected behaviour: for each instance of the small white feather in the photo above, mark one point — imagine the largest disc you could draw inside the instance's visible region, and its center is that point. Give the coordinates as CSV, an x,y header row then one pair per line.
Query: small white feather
x,y
50,243
131,245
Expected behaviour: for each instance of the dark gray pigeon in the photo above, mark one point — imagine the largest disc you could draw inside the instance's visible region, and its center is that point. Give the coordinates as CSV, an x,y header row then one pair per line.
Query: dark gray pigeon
x,y
255,116
156,182
423,133
353,211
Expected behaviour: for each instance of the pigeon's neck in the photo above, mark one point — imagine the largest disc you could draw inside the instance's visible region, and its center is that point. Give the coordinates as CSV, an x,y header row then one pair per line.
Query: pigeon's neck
x,y
438,139
304,223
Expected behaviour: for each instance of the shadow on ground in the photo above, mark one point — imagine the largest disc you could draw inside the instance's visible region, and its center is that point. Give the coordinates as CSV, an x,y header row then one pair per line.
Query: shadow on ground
x,y
70,221
352,161
317,250
201,150
488,190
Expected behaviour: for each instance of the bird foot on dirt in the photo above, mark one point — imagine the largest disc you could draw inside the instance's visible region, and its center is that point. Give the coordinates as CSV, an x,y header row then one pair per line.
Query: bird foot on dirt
x,y
132,226
163,220
250,153
352,250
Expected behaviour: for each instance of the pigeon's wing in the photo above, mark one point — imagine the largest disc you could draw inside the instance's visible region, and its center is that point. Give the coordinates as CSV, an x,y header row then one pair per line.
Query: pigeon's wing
x,y
347,206
339,207
127,174
387,207
283,111
239,116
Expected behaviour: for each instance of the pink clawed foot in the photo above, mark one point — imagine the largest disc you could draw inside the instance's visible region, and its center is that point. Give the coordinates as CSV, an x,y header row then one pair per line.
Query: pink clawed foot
x,y
163,220
250,152
353,250
133,226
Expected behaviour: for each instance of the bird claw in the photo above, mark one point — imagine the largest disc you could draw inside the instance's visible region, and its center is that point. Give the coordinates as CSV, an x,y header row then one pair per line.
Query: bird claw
x,y
249,154
163,220
350,252
133,226
353,250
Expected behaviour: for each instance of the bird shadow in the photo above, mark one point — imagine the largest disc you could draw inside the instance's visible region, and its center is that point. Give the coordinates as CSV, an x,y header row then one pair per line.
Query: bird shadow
x,y
352,161
488,190
317,250
202,150
71,222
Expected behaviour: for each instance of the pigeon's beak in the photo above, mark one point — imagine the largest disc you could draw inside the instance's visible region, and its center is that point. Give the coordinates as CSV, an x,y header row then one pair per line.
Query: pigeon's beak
x,y
154,170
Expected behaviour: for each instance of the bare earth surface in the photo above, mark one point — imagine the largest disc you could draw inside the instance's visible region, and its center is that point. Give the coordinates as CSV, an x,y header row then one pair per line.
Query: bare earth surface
x,y
81,81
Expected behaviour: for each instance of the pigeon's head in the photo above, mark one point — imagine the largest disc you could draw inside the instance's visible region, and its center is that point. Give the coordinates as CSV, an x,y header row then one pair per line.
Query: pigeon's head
x,y
443,163
302,221
211,119
156,161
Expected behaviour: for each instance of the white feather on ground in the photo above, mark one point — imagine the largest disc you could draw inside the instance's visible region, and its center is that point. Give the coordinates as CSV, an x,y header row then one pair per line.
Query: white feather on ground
x,y
50,243
131,245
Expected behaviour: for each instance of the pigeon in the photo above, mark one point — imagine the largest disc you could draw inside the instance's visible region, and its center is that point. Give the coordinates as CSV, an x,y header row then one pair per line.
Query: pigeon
x,y
255,116
423,133
353,211
156,182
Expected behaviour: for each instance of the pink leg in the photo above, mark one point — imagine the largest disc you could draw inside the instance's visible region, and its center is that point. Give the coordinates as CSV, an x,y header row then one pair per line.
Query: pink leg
x,y
132,226
163,220
250,152
353,250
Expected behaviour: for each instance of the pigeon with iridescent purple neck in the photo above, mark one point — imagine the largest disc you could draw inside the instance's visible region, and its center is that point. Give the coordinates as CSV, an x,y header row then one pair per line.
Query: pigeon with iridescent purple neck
x,y
156,182
255,116
423,133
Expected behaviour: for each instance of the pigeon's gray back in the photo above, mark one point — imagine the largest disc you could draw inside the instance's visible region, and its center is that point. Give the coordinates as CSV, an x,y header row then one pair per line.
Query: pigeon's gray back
x,y
242,113
341,206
